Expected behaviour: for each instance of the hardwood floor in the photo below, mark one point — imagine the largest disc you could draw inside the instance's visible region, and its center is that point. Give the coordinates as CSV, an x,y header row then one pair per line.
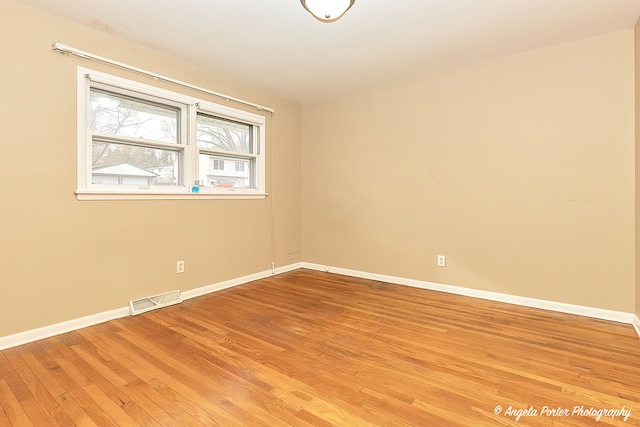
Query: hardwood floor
x,y
311,348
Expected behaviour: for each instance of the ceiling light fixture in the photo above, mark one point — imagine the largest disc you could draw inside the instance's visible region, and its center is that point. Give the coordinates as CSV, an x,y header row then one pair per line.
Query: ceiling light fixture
x,y
327,10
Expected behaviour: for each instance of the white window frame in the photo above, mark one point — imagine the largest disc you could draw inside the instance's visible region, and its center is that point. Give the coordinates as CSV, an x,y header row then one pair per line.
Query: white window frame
x,y
189,107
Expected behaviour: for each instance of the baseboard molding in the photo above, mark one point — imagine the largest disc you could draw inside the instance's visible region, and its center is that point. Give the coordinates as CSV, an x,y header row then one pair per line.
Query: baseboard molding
x,y
239,281
94,319
598,313
636,324
60,328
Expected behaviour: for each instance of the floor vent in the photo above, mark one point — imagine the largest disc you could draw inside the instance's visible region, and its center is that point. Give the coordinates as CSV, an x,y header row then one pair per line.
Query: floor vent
x,y
142,305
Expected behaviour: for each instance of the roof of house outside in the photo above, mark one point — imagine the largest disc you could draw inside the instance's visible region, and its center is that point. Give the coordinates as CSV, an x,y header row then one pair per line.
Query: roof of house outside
x,y
124,169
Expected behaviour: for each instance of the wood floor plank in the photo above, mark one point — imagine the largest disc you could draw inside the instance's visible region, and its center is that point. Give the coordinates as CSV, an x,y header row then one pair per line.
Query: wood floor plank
x,y
12,407
25,387
192,387
4,418
308,348
66,402
121,414
225,356
170,389
18,388
339,362
160,347
99,388
217,363
43,405
75,392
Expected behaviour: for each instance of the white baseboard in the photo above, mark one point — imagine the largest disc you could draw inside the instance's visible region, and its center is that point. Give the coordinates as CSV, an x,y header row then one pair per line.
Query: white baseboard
x,y
239,281
598,313
94,319
71,325
636,324
60,328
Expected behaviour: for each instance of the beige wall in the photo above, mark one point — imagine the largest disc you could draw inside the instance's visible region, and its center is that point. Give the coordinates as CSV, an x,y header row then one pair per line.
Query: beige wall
x,y
63,258
519,170
637,157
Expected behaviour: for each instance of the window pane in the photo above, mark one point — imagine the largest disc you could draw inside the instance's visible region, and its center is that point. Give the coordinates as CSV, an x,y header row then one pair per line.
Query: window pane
x,y
127,164
120,115
222,172
219,134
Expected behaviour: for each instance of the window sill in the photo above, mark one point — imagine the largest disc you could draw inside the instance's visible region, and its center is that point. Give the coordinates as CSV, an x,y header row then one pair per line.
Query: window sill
x,y
93,195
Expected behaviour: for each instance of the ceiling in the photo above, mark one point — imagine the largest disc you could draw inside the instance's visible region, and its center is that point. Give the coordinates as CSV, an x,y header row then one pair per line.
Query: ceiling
x,y
278,46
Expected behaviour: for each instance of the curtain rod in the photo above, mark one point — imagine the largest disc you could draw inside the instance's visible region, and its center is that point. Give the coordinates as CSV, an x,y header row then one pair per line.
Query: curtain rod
x,y
64,49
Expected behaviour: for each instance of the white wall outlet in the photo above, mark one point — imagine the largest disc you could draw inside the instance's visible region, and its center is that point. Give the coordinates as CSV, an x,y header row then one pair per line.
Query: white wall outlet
x,y
442,261
180,267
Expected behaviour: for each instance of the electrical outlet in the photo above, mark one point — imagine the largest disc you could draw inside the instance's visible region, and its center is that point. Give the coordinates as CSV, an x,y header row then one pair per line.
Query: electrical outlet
x,y
442,261
180,267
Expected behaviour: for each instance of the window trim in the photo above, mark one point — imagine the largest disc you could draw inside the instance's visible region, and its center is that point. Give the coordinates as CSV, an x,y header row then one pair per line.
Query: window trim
x,y
190,106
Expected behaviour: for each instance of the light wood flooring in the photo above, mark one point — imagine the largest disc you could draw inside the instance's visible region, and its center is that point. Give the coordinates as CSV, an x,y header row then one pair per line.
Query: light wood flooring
x,y
312,348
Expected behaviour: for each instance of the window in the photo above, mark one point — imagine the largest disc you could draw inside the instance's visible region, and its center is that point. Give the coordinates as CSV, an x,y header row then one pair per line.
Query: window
x,y
134,141
218,136
139,141
217,164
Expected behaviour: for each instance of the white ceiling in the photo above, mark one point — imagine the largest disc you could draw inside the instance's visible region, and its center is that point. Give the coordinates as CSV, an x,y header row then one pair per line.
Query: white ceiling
x,y
278,46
